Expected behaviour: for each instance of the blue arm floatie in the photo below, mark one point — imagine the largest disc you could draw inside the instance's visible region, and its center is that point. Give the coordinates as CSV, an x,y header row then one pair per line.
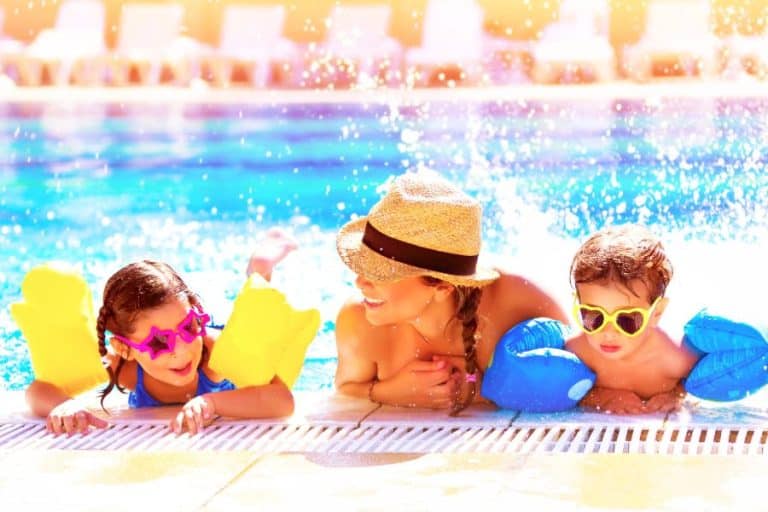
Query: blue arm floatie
x,y
530,370
734,357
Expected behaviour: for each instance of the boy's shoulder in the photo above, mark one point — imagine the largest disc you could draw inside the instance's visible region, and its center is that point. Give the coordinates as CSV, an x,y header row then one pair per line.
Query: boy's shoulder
x,y
580,347
675,357
663,341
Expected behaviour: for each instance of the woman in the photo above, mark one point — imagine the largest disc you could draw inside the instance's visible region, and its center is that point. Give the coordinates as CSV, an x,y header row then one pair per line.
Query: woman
x,y
429,319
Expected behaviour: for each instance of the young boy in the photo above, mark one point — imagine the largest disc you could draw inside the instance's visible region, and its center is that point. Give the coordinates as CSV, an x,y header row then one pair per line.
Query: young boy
x,y
620,275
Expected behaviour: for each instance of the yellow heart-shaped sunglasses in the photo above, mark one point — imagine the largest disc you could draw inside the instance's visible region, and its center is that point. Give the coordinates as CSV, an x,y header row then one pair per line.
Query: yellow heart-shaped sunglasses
x,y
628,321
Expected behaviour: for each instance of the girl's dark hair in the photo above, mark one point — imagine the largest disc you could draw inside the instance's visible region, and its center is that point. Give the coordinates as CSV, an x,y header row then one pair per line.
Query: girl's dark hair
x,y
467,302
133,289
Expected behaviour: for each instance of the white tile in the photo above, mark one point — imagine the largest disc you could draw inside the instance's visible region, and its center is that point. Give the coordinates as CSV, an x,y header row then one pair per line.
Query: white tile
x,y
480,415
323,407
130,481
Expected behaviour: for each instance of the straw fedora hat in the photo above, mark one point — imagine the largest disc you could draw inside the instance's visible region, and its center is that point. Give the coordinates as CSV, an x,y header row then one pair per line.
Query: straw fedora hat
x,y
423,226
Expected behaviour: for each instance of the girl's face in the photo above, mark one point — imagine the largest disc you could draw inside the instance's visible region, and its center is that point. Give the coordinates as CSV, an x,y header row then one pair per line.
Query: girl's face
x,y
179,367
610,342
395,301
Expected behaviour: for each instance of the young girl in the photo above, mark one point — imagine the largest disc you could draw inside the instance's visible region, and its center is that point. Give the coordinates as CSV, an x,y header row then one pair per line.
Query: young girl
x,y
428,318
158,349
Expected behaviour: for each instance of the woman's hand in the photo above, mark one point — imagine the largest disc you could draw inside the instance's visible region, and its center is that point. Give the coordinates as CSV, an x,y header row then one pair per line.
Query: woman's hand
x,y
428,384
70,417
467,386
194,415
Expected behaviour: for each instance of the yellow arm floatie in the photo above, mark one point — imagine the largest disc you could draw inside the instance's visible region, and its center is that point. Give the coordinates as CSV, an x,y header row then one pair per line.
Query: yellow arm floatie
x,y
56,318
264,336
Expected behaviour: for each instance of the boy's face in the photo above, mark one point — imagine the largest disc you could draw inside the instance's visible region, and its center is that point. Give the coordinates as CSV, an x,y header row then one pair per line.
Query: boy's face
x,y
611,296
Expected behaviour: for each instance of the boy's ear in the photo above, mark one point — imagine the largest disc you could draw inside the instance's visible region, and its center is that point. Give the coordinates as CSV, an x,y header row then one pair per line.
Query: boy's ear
x,y
121,349
659,310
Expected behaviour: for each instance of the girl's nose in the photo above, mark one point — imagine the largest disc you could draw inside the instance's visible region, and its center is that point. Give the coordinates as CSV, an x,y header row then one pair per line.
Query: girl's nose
x,y
181,346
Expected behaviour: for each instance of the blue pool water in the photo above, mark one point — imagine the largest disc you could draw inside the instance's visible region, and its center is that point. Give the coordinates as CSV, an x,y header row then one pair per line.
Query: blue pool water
x,y
100,185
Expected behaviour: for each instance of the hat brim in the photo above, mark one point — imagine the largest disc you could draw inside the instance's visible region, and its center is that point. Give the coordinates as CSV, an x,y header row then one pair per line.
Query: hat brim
x,y
371,265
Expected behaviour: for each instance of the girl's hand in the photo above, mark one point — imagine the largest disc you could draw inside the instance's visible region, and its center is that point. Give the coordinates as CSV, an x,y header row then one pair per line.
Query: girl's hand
x,y
195,415
70,417
428,384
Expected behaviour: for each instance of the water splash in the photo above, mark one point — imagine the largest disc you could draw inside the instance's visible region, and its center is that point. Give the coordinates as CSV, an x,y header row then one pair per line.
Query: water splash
x,y
178,185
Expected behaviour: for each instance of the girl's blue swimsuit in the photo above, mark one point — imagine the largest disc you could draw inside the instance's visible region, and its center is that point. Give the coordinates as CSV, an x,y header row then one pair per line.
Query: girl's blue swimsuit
x,y
140,398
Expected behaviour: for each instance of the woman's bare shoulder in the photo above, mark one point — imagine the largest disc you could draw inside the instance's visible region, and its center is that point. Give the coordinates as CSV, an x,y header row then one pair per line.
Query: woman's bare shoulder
x,y
352,315
353,330
518,297
510,288
511,281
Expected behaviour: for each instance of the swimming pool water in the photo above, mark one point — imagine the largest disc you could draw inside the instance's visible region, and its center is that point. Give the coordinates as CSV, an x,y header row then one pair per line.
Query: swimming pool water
x,y
195,185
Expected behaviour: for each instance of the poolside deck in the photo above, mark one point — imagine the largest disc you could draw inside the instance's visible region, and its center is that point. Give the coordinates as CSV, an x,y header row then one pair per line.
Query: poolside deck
x,y
354,455
667,87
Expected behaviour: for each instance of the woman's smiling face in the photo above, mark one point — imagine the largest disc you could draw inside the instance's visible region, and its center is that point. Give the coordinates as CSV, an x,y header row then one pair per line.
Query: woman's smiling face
x,y
394,301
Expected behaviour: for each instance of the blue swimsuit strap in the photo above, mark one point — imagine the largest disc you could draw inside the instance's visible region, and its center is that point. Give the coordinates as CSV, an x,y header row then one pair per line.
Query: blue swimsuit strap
x,y
140,397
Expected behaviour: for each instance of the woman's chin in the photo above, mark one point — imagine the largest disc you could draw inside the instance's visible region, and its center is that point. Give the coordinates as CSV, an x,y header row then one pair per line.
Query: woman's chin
x,y
375,317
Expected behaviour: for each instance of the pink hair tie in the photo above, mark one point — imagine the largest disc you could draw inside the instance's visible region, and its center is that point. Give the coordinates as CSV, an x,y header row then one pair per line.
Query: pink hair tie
x,y
471,377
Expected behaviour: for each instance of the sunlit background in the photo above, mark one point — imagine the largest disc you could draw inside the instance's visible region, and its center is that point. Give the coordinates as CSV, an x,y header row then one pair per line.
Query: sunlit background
x,y
97,180
326,43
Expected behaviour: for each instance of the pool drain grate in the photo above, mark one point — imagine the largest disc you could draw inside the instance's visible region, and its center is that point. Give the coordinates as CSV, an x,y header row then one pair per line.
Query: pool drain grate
x,y
392,438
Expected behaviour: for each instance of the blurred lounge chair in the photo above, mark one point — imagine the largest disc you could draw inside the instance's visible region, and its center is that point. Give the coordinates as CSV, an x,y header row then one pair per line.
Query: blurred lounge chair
x,y
677,32
69,50
358,42
10,50
251,40
745,41
507,59
576,42
744,54
452,37
148,39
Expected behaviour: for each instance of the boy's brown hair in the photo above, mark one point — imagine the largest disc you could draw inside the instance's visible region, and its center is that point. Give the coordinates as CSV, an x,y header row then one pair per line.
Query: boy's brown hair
x,y
621,254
